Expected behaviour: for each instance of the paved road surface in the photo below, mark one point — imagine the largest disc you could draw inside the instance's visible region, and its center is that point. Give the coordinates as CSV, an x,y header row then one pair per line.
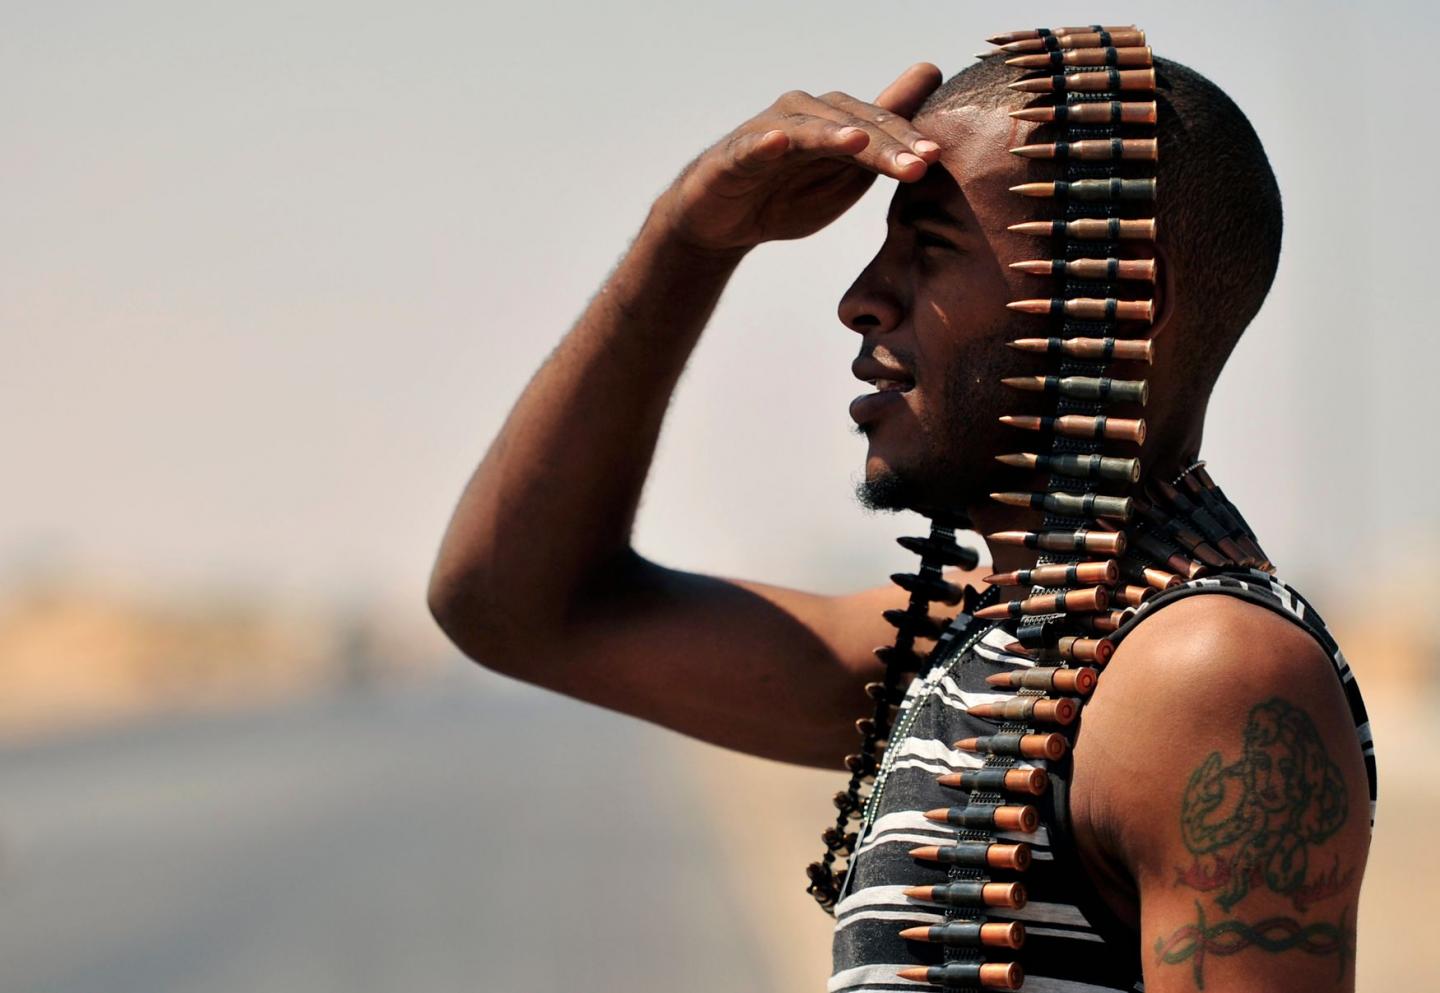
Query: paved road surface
x,y
409,839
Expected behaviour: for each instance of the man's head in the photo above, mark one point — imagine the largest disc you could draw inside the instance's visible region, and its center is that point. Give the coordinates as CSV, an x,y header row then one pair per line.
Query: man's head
x,y
931,304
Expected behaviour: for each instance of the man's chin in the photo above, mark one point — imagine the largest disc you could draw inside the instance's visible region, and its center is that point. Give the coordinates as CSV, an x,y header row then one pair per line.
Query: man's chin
x,y
888,490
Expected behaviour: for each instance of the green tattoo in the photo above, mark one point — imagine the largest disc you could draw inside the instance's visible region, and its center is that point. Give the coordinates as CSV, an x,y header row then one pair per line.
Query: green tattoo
x,y
1255,821
1273,934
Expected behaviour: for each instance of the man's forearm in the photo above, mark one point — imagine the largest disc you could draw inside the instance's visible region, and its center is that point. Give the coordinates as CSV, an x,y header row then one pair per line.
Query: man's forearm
x,y
554,499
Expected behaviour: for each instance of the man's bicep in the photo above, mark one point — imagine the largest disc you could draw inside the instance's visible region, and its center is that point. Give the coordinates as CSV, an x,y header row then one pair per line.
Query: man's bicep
x,y
1245,820
1266,853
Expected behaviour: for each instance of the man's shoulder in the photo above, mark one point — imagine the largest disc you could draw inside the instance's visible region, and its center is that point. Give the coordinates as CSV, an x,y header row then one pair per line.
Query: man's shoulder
x,y
1224,638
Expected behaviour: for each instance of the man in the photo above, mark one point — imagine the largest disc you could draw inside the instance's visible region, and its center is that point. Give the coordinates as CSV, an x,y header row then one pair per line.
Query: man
x,y
1217,801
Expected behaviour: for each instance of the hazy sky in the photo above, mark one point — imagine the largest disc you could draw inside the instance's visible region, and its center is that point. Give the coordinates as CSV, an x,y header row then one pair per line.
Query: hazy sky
x,y
273,274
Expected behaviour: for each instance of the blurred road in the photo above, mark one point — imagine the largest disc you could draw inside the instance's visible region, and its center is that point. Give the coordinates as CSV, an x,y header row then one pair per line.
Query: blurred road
x,y
377,840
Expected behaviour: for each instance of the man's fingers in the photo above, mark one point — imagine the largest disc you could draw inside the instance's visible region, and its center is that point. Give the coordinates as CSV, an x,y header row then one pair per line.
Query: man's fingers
x,y
897,127
885,153
911,87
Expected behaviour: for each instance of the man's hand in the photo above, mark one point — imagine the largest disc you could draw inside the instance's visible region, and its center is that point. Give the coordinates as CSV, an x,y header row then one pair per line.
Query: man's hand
x,y
1223,776
798,165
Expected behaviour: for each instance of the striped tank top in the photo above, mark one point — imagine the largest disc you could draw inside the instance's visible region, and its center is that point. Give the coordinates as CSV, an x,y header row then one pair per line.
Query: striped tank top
x,y
1073,943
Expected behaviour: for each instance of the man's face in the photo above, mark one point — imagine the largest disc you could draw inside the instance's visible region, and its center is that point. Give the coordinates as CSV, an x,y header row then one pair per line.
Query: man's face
x,y
931,309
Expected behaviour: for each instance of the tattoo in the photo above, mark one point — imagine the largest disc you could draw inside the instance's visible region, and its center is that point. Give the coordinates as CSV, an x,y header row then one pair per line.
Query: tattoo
x,y
1273,934
1255,821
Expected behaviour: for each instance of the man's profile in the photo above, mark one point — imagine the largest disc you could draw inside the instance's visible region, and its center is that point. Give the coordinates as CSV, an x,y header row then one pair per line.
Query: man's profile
x,y
1084,774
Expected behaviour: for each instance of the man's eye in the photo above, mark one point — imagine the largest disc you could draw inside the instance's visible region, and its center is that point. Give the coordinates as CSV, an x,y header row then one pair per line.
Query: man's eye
x,y
926,240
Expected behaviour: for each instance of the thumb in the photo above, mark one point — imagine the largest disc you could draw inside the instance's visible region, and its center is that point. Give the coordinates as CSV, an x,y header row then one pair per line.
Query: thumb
x,y
911,87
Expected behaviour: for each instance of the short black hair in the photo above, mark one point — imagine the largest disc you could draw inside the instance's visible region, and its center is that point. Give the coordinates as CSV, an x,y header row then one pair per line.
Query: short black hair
x,y
1218,201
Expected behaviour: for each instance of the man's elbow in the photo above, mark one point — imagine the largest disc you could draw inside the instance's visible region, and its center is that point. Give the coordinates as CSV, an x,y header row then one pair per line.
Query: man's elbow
x,y
472,619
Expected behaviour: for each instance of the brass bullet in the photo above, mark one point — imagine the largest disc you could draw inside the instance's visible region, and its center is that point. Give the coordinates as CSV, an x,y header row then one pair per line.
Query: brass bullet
x,y
1131,595
1161,551
1108,269
1106,573
1084,387
1052,680
1029,746
1089,189
992,975
1106,623
988,816
1089,82
1067,649
1092,149
1057,59
1083,540
1010,934
1156,579
972,893
990,780
1104,349
978,854
1082,426
1089,308
1069,504
1091,228
1098,112
1058,33
1077,466
1188,540
1039,709
1065,602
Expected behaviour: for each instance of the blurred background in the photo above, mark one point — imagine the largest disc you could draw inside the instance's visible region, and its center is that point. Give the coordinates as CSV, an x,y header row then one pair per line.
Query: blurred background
x,y
273,275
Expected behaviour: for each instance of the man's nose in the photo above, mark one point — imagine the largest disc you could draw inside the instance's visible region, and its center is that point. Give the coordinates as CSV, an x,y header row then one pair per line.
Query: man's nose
x,y
870,304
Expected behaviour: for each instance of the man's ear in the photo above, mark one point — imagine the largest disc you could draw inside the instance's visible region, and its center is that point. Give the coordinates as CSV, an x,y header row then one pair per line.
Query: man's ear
x,y
1163,292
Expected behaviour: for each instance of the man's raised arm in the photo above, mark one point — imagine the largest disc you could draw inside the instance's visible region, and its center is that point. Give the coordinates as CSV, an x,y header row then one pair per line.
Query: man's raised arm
x,y
536,577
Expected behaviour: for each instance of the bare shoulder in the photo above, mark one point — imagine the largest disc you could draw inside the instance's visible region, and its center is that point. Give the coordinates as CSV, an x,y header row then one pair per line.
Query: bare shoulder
x,y
1218,770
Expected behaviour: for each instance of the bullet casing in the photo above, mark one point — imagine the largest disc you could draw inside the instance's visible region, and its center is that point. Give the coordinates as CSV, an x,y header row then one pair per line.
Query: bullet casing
x,y
972,893
1066,601
1036,709
1104,349
1085,387
1091,228
971,934
989,816
992,975
1050,679
1082,426
1109,269
1090,81
1057,34
1105,573
1029,746
977,854
1088,308
1093,150
1077,466
1083,540
1030,781
1069,504
1129,57
1107,112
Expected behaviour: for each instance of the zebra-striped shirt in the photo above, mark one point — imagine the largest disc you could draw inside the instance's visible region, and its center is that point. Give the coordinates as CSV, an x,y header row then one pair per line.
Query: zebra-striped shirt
x,y
1074,944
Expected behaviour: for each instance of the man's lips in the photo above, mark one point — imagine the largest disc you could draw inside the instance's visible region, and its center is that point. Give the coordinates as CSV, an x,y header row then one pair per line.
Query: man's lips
x,y
891,384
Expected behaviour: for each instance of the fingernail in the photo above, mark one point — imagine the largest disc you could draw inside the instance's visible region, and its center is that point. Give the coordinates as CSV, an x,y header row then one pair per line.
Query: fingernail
x,y
925,145
905,159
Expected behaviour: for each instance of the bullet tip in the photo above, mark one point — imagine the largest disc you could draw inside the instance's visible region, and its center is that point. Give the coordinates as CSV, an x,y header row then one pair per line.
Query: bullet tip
x,y
921,933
